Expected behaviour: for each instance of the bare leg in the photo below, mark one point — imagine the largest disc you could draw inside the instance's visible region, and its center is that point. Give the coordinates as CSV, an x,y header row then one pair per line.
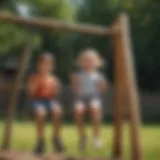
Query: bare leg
x,y
56,113
40,114
79,118
95,109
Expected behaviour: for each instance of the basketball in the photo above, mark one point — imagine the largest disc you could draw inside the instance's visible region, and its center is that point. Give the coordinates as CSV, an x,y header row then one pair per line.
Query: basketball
x,y
46,87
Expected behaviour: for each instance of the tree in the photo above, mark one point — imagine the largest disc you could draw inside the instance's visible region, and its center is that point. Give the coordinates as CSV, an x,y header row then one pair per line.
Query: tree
x,y
12,37
145,29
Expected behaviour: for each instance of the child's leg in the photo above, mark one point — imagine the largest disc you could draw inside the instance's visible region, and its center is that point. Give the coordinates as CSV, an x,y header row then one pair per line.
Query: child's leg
x,y
79,118
95,108
40,114
79,109
56,114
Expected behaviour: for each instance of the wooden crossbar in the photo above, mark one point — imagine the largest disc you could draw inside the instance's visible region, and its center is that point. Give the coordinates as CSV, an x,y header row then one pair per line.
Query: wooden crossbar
x,y
53,24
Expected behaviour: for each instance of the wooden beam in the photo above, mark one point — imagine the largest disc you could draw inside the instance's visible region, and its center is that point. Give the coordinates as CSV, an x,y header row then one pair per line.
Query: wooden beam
x,y
14,97
130,87
53,24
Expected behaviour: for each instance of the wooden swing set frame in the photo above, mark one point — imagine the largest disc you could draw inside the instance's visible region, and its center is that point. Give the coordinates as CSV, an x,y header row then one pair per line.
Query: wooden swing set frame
x,y
125,80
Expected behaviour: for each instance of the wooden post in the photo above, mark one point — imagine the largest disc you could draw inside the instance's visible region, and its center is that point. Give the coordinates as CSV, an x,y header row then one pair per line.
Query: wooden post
x,y
14,96
119,95
130,87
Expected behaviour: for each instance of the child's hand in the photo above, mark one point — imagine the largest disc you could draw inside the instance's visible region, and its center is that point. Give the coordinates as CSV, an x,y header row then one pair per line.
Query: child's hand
x,y
102,86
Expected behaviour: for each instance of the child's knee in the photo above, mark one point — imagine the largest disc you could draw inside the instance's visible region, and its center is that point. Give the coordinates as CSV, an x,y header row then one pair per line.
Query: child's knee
x,y
95,105
40,111
79,107
56,110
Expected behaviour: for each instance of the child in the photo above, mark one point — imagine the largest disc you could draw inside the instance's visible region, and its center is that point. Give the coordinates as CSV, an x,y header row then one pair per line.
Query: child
x,y
43,88
88,84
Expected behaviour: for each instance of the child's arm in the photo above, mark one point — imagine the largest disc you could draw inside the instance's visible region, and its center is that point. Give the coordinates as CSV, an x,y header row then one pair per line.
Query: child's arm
x,y
74,82
102,85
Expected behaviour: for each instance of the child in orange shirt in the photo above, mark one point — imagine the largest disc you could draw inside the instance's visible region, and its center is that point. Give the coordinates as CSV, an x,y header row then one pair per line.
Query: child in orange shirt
x,y
43,87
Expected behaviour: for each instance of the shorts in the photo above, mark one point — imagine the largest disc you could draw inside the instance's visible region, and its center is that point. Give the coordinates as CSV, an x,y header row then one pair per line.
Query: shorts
x,y
43,104
89,101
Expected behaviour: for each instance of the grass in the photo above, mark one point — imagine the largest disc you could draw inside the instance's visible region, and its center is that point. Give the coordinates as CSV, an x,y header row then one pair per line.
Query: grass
x,y
24,139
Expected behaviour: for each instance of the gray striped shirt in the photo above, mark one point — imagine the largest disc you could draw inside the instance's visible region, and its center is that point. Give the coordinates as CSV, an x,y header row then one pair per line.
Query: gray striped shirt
x,y
89,83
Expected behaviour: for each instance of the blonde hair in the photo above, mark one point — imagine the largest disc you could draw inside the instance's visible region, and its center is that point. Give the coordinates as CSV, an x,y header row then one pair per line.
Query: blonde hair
x,y
92,53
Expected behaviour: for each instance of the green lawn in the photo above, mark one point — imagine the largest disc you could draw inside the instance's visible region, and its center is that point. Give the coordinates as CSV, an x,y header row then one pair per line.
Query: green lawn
x,y
24,139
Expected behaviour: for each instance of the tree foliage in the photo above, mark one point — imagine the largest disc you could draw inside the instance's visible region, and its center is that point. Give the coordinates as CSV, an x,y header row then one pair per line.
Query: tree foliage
x,y
145,27
12,37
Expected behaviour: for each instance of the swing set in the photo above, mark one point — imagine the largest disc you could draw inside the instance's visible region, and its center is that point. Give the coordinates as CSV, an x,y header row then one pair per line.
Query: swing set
x,y
124,75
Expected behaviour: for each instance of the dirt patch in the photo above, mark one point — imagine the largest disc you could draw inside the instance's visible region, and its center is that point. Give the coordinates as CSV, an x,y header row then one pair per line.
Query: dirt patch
x,y
14,155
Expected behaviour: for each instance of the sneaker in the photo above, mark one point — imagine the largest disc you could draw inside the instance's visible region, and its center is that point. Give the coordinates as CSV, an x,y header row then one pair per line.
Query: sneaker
x,y
82,143
58,145
40,147
97,143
